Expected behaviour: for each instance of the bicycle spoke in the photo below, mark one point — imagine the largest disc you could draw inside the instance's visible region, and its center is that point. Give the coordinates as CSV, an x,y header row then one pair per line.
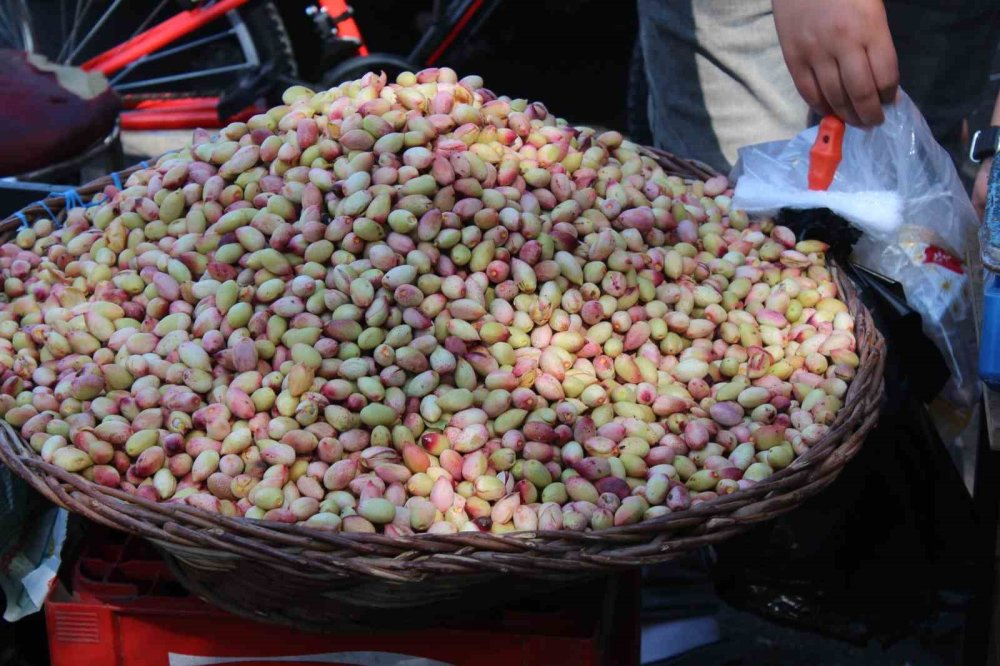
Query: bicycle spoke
x,y
149,19
78,17
97,26
169,52
28,31
132,85
17,21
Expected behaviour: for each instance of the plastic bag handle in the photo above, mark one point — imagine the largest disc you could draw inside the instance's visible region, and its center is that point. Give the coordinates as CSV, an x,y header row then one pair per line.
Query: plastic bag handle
x,y
826,153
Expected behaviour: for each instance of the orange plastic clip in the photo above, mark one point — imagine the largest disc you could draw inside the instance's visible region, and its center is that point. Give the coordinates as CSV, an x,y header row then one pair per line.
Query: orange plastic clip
x,y
826,153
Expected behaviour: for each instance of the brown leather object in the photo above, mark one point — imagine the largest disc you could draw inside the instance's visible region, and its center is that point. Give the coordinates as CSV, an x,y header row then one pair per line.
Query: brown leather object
x,y
49,113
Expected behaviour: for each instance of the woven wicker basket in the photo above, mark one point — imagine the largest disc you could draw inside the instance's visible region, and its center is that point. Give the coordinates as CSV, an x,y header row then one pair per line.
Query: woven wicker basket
x,y
319,580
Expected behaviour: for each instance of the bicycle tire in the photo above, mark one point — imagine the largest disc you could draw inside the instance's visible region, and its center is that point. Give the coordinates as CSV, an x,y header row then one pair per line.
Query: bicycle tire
x,y
269,35
270,39
358,66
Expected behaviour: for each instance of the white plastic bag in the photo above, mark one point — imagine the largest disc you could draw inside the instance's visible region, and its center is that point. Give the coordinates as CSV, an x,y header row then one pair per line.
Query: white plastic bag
x,y
900,187
891,175
32,534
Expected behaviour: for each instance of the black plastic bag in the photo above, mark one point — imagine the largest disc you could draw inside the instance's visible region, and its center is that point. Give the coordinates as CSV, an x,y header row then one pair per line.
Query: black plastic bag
x,y
890,544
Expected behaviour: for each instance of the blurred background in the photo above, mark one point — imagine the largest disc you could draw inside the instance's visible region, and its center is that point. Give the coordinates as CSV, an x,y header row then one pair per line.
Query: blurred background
x,y
572,55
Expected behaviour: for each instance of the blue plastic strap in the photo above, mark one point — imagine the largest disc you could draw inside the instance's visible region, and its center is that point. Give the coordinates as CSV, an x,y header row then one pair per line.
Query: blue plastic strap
x,y
73,199
144,164
116,179
24,219
52,216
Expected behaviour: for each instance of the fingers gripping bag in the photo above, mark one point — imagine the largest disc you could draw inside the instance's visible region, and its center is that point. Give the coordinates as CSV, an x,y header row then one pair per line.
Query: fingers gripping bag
x,y
900,188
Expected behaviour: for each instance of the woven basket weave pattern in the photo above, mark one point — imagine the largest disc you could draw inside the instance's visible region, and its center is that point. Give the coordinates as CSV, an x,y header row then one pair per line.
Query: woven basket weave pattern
x,y
233,562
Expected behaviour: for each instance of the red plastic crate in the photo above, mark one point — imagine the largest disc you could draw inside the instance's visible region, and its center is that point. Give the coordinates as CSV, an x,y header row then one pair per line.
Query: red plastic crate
x,y
125,610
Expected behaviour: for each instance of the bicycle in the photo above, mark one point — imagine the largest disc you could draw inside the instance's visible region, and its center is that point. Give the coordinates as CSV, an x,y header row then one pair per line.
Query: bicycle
x,y
450,21
177,59
173,68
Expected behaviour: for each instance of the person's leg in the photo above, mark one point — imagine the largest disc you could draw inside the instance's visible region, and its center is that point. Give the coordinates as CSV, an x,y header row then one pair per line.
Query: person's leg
x,y
717,78
945,50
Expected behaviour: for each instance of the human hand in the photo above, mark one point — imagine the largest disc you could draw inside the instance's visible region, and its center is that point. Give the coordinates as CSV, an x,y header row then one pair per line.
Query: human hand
x,y
979,188
840,55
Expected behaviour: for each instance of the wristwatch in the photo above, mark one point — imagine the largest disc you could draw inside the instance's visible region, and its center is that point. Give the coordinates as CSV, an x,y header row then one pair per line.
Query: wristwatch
x,y
985,144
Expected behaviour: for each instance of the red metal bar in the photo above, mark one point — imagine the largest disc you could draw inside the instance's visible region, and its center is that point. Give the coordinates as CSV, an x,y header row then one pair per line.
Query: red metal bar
x,y
348,28
451,36
159,119
174,103
158,36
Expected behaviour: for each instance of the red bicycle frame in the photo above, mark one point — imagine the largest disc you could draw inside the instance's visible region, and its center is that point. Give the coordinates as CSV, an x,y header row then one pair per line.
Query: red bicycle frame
x,y
200,111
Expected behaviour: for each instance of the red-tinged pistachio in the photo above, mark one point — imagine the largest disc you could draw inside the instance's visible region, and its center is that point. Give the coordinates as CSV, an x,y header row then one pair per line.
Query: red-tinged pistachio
x,y
550,517
107,476
678,498
204,501
726,413
696,435
442,527
630,511
239,403
150,461
471,438
768,436
473,465
442,494
340,474
392,472
813,433
503,510
525,518
220,486
614,486
593,469
452,462
580,489
276,453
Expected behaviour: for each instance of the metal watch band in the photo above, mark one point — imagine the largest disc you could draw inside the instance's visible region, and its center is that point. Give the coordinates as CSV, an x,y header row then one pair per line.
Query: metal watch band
x,y
985,143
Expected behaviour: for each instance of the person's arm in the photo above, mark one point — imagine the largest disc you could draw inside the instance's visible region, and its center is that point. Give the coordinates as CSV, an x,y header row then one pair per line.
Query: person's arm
x,y
840,55
979,189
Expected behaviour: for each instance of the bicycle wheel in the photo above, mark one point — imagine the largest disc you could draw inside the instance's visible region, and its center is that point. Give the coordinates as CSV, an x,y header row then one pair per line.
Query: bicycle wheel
x,y
200,62
355,68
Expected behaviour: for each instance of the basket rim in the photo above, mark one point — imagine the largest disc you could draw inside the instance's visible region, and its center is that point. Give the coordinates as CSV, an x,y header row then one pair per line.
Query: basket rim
x,y
406,559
